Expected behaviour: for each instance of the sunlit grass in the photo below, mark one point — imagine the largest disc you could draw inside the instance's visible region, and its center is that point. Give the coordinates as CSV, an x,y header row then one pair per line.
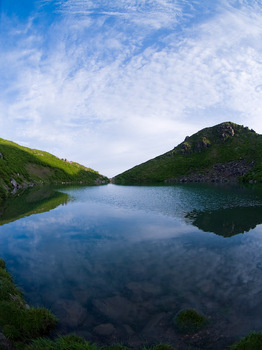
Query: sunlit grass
x,y
28,166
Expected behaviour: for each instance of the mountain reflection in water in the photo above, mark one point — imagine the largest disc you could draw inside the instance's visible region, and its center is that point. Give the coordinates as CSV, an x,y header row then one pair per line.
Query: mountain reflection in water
x,y
32,201
226,222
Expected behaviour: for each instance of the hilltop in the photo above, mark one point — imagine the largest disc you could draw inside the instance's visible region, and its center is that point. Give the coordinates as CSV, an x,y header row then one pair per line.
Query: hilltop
x,y
22,167
226,152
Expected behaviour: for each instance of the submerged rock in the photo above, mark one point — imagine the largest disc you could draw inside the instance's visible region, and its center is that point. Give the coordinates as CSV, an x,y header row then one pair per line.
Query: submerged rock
x,y
73,313
116,308
105,329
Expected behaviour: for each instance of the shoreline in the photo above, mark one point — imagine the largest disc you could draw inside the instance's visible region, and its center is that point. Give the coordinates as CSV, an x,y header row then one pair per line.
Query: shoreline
x,y
27,328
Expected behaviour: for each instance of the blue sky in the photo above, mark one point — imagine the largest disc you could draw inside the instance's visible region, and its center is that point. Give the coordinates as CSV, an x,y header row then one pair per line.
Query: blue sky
x,y
111,84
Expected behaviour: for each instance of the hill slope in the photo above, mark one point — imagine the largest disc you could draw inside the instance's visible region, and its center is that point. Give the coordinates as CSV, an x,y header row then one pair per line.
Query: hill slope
x,y
223,153
22,167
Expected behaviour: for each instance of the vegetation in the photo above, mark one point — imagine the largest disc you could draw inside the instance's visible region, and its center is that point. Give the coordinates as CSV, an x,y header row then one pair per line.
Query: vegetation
x,y
253,341
189,321
2,266
162,347
73,342
221,144
18,321
21,167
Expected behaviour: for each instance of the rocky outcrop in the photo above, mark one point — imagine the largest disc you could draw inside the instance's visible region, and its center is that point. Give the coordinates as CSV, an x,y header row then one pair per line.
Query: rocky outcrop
x,y
222,132
219,173
17,186
100,181
188,148
225,130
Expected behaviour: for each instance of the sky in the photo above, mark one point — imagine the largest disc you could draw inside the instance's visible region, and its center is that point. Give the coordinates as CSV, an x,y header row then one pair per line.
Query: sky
x,y
111,84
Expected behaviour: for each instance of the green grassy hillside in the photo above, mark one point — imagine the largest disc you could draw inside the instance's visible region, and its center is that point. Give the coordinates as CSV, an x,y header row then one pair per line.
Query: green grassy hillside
x,y
21,167
225,152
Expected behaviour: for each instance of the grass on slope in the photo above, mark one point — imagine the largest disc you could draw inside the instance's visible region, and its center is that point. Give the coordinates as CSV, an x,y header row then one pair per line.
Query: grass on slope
x,y
199,153
26,165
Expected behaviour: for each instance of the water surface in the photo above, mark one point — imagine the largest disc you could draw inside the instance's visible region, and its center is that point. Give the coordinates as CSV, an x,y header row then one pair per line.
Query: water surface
x,y
117,263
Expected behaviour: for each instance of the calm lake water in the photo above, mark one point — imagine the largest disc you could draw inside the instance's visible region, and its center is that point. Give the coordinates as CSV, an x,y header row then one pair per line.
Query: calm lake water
x,y
117,263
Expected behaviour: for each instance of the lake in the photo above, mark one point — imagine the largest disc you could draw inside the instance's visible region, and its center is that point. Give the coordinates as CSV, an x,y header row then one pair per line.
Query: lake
x,y
117,263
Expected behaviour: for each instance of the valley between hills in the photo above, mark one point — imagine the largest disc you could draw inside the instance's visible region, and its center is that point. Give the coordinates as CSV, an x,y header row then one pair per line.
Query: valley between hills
x,y
226,152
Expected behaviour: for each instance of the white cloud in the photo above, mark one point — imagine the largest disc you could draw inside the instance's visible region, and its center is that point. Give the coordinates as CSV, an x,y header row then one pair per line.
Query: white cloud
x,y
112,97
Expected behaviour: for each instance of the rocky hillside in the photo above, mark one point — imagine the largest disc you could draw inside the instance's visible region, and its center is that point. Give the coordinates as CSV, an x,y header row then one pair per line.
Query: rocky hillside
x,y
226,152
22,167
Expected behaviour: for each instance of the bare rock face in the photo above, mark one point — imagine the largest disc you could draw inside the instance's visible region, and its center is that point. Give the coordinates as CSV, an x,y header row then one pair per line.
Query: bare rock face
x,y
226,130
16,186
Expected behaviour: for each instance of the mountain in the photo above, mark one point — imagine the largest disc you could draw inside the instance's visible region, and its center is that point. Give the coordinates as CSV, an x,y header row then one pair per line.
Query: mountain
x,y
226,152
22,167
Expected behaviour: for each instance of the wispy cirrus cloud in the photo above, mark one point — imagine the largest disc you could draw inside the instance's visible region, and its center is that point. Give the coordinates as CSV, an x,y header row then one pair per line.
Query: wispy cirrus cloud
x,y
129,8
